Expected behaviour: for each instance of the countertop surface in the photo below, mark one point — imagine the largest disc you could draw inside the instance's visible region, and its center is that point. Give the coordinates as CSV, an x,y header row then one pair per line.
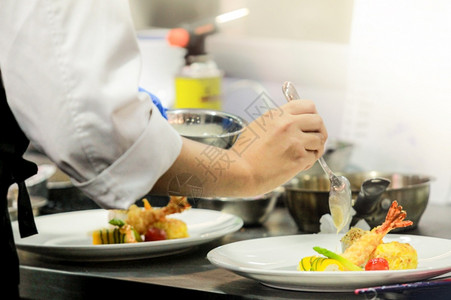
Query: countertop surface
x,y
189,273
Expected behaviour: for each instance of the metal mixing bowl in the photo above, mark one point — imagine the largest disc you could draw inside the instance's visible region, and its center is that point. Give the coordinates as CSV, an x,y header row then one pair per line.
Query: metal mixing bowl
x,y
210,127
253,210
307,198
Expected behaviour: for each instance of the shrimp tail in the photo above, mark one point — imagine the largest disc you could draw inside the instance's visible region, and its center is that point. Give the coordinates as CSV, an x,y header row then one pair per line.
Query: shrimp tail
x,y
394,219
142,219
359,251
176,204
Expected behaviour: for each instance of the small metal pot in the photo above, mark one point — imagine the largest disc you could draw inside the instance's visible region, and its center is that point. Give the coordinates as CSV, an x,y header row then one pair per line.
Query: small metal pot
x,y
307,198
253,211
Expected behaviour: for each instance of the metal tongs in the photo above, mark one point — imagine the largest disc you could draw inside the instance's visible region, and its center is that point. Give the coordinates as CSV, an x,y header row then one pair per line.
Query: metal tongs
x,y
340,197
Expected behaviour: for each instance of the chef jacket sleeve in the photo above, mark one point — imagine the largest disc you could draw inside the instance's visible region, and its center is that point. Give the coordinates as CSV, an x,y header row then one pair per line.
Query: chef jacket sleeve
x,y
71,72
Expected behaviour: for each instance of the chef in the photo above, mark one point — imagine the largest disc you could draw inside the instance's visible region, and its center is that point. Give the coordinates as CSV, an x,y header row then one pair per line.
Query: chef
x,y
70,71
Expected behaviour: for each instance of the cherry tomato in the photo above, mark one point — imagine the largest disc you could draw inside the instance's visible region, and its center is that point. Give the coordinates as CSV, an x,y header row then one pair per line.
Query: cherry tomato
x,y
377,264
155,234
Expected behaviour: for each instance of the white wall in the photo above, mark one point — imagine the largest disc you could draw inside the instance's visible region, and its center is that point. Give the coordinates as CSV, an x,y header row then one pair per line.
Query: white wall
x,y
398,100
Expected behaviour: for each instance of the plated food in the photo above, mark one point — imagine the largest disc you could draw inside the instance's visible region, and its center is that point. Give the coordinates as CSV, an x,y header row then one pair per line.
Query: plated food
x,y
365,250
68,236
144,224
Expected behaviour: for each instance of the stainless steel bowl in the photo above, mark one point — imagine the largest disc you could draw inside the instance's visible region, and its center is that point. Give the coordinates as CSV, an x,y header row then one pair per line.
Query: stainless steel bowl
x,y
254,210
210,127
307,198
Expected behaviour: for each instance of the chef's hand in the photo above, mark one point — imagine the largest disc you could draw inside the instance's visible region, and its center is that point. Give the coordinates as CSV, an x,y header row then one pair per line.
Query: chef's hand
x,y
281,143
271,151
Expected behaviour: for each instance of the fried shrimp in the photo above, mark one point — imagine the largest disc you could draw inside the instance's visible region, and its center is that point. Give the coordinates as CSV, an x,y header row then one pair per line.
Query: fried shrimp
x,y
142,219
351,237
359,251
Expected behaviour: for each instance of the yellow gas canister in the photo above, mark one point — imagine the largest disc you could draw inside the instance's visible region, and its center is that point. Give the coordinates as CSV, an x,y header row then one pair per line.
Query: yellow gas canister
x,y
198,92
198,85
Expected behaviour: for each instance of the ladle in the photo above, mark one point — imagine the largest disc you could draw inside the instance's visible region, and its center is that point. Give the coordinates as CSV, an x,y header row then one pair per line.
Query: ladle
x,y
369,195
340,197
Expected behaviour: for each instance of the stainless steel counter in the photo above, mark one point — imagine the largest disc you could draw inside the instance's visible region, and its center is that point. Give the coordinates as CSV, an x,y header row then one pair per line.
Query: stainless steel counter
x,y
188,273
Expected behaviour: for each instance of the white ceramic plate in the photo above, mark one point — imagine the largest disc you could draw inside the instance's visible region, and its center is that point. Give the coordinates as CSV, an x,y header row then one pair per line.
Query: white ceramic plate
x,y
67,236
273,262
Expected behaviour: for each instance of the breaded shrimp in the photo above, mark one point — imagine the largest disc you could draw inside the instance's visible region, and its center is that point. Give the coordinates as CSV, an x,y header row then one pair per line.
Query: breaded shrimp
x,y
362,248
141,219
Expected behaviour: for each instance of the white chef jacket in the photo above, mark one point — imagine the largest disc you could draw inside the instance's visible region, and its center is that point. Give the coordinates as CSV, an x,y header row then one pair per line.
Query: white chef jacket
x,y
71,70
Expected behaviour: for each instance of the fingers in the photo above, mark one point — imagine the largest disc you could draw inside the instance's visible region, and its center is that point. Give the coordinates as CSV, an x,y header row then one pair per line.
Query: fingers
x,y
307,116
297,107
313,135
307,158
313,141
311,148
313,128
309,122
311,157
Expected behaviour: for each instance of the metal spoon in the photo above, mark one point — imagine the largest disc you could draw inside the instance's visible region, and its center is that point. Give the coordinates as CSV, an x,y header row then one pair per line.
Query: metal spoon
x,y
340,197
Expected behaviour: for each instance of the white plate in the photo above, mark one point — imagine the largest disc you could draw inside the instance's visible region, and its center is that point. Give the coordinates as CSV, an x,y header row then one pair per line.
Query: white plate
x,y
67,236
273,262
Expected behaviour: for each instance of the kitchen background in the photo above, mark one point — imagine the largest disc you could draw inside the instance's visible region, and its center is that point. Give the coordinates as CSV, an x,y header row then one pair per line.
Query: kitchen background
x,y
379,71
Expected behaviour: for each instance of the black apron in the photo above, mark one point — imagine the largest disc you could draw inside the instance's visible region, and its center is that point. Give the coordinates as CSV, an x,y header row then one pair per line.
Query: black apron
x,y
13,169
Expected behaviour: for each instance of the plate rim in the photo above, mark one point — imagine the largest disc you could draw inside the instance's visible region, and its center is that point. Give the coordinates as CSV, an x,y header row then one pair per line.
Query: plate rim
x,y
251,273
83,252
